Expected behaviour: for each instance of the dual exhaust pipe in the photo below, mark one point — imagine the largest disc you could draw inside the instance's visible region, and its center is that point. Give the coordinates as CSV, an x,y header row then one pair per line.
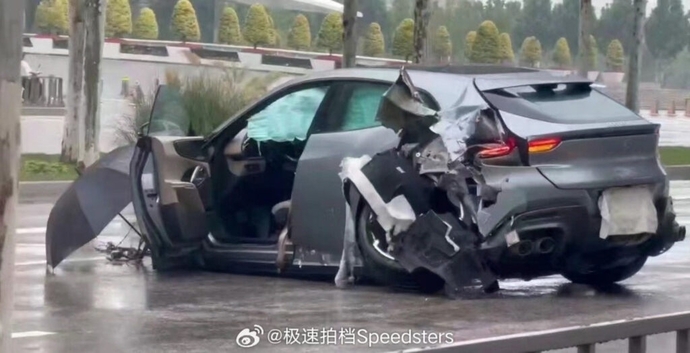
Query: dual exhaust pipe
x,y
542,246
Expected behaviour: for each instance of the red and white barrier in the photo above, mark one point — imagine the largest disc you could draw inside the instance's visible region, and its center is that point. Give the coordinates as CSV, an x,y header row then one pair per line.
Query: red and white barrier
x,y
186,53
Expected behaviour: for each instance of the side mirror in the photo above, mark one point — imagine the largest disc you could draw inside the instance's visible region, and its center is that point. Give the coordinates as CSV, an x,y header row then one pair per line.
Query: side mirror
x,y
140,132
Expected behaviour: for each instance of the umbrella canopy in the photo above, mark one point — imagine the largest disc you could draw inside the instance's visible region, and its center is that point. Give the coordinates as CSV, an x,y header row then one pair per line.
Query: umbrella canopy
x,y
89,204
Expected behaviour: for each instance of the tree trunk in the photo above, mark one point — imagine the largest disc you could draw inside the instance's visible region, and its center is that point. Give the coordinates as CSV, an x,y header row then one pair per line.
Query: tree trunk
x,y
71,135
349,37
95,28
631,99
585,31
421,20
11,29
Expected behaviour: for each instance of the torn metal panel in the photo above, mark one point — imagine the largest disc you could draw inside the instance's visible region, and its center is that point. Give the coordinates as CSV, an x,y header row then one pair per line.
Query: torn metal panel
x,y
468,122
346,269
394,214
446,247
402,107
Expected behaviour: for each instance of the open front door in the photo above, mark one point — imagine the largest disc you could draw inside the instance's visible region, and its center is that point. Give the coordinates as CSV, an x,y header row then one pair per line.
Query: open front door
x,y
170,181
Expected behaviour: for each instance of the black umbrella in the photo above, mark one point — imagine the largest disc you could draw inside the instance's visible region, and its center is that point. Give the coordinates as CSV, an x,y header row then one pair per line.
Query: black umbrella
x,y
89,204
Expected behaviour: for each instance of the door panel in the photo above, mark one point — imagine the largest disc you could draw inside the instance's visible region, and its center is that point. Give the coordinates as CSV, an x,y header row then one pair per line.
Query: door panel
x,y
166,194
318,205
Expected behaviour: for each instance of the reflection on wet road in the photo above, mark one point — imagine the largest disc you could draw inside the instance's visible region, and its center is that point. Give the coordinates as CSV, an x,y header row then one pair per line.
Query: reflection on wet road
x,y
91,305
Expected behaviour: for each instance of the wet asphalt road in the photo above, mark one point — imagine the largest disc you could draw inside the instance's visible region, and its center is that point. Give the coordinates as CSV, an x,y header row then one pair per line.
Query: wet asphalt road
x,y
92,305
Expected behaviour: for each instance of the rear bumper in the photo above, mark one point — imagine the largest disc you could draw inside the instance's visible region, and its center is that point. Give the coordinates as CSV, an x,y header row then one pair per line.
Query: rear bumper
x,y
558,230
559,239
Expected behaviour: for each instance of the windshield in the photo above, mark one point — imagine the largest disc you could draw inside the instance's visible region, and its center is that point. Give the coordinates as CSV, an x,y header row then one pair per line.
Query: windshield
x,y
562,103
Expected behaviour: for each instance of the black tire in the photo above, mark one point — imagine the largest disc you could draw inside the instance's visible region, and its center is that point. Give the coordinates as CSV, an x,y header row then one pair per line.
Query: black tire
x,y
384,270
607,276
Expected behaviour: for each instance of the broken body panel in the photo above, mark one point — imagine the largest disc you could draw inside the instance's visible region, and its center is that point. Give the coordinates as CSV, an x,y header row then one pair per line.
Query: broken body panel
x,y
522,198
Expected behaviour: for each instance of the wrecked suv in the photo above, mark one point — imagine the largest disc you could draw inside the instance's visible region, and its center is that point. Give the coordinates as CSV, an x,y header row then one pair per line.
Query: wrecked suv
x,y
431,177
522,176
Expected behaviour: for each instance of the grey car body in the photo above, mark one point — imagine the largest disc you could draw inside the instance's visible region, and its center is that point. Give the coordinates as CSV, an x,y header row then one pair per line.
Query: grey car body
x,y
192,194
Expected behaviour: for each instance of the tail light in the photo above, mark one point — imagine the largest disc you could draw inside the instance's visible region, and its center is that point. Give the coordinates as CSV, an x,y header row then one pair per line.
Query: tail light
x,y
543,145
498,150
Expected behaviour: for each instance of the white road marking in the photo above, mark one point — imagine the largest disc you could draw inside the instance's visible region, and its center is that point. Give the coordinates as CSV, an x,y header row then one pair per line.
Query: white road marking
x,y
43,262
31,334
36,230
39,230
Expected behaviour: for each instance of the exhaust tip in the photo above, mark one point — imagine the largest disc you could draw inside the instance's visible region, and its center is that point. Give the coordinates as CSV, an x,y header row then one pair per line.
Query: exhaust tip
x,y
546,245
524,247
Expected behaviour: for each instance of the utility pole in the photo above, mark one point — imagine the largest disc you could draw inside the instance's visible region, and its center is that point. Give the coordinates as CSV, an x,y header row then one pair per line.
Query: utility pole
x,y
421,22
584,33
93,53
11,33
72,130
631,99
349,36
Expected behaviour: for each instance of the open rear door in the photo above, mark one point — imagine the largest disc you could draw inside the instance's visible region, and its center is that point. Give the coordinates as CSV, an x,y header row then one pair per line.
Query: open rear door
x,y
170,178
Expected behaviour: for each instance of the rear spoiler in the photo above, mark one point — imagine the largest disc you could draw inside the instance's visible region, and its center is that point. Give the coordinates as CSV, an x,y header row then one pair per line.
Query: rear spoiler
x,y
491,84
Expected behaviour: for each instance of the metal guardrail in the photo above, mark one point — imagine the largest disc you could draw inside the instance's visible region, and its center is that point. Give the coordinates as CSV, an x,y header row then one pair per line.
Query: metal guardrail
x,y
584,338
43,91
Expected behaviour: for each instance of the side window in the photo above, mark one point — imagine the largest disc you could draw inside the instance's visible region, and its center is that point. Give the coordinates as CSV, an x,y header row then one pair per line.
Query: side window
x,y
360,110
288,118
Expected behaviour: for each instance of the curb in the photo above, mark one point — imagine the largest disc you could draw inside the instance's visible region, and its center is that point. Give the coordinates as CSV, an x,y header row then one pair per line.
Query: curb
x,y
41,191
50,191
678,172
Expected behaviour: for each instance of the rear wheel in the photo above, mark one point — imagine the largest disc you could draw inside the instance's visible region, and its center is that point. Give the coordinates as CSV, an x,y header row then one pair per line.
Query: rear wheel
x,y
380,266
609,275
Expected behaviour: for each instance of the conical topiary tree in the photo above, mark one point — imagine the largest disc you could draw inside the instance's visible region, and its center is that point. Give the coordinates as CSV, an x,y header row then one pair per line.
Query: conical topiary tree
x,y
62,15
615,56
485,48
561,54
146,25
184,24
403,39
299,37
374,44
229,28
469,41
330,35
530,52
443,47
257,26
506,49
118,19
52,17
275,40
44,17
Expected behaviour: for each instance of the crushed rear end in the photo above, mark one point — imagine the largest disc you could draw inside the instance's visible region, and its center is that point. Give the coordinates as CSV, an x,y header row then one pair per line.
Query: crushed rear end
x,y
522,194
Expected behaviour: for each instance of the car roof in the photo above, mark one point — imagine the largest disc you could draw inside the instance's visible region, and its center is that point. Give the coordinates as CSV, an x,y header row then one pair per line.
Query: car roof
x,y
443,82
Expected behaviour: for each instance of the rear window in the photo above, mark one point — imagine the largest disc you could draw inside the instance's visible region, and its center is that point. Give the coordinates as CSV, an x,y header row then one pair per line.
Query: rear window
x,y
562,103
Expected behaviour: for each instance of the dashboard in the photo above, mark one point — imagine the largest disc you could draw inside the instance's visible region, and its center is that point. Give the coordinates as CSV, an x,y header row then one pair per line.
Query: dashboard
x,y
246,156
